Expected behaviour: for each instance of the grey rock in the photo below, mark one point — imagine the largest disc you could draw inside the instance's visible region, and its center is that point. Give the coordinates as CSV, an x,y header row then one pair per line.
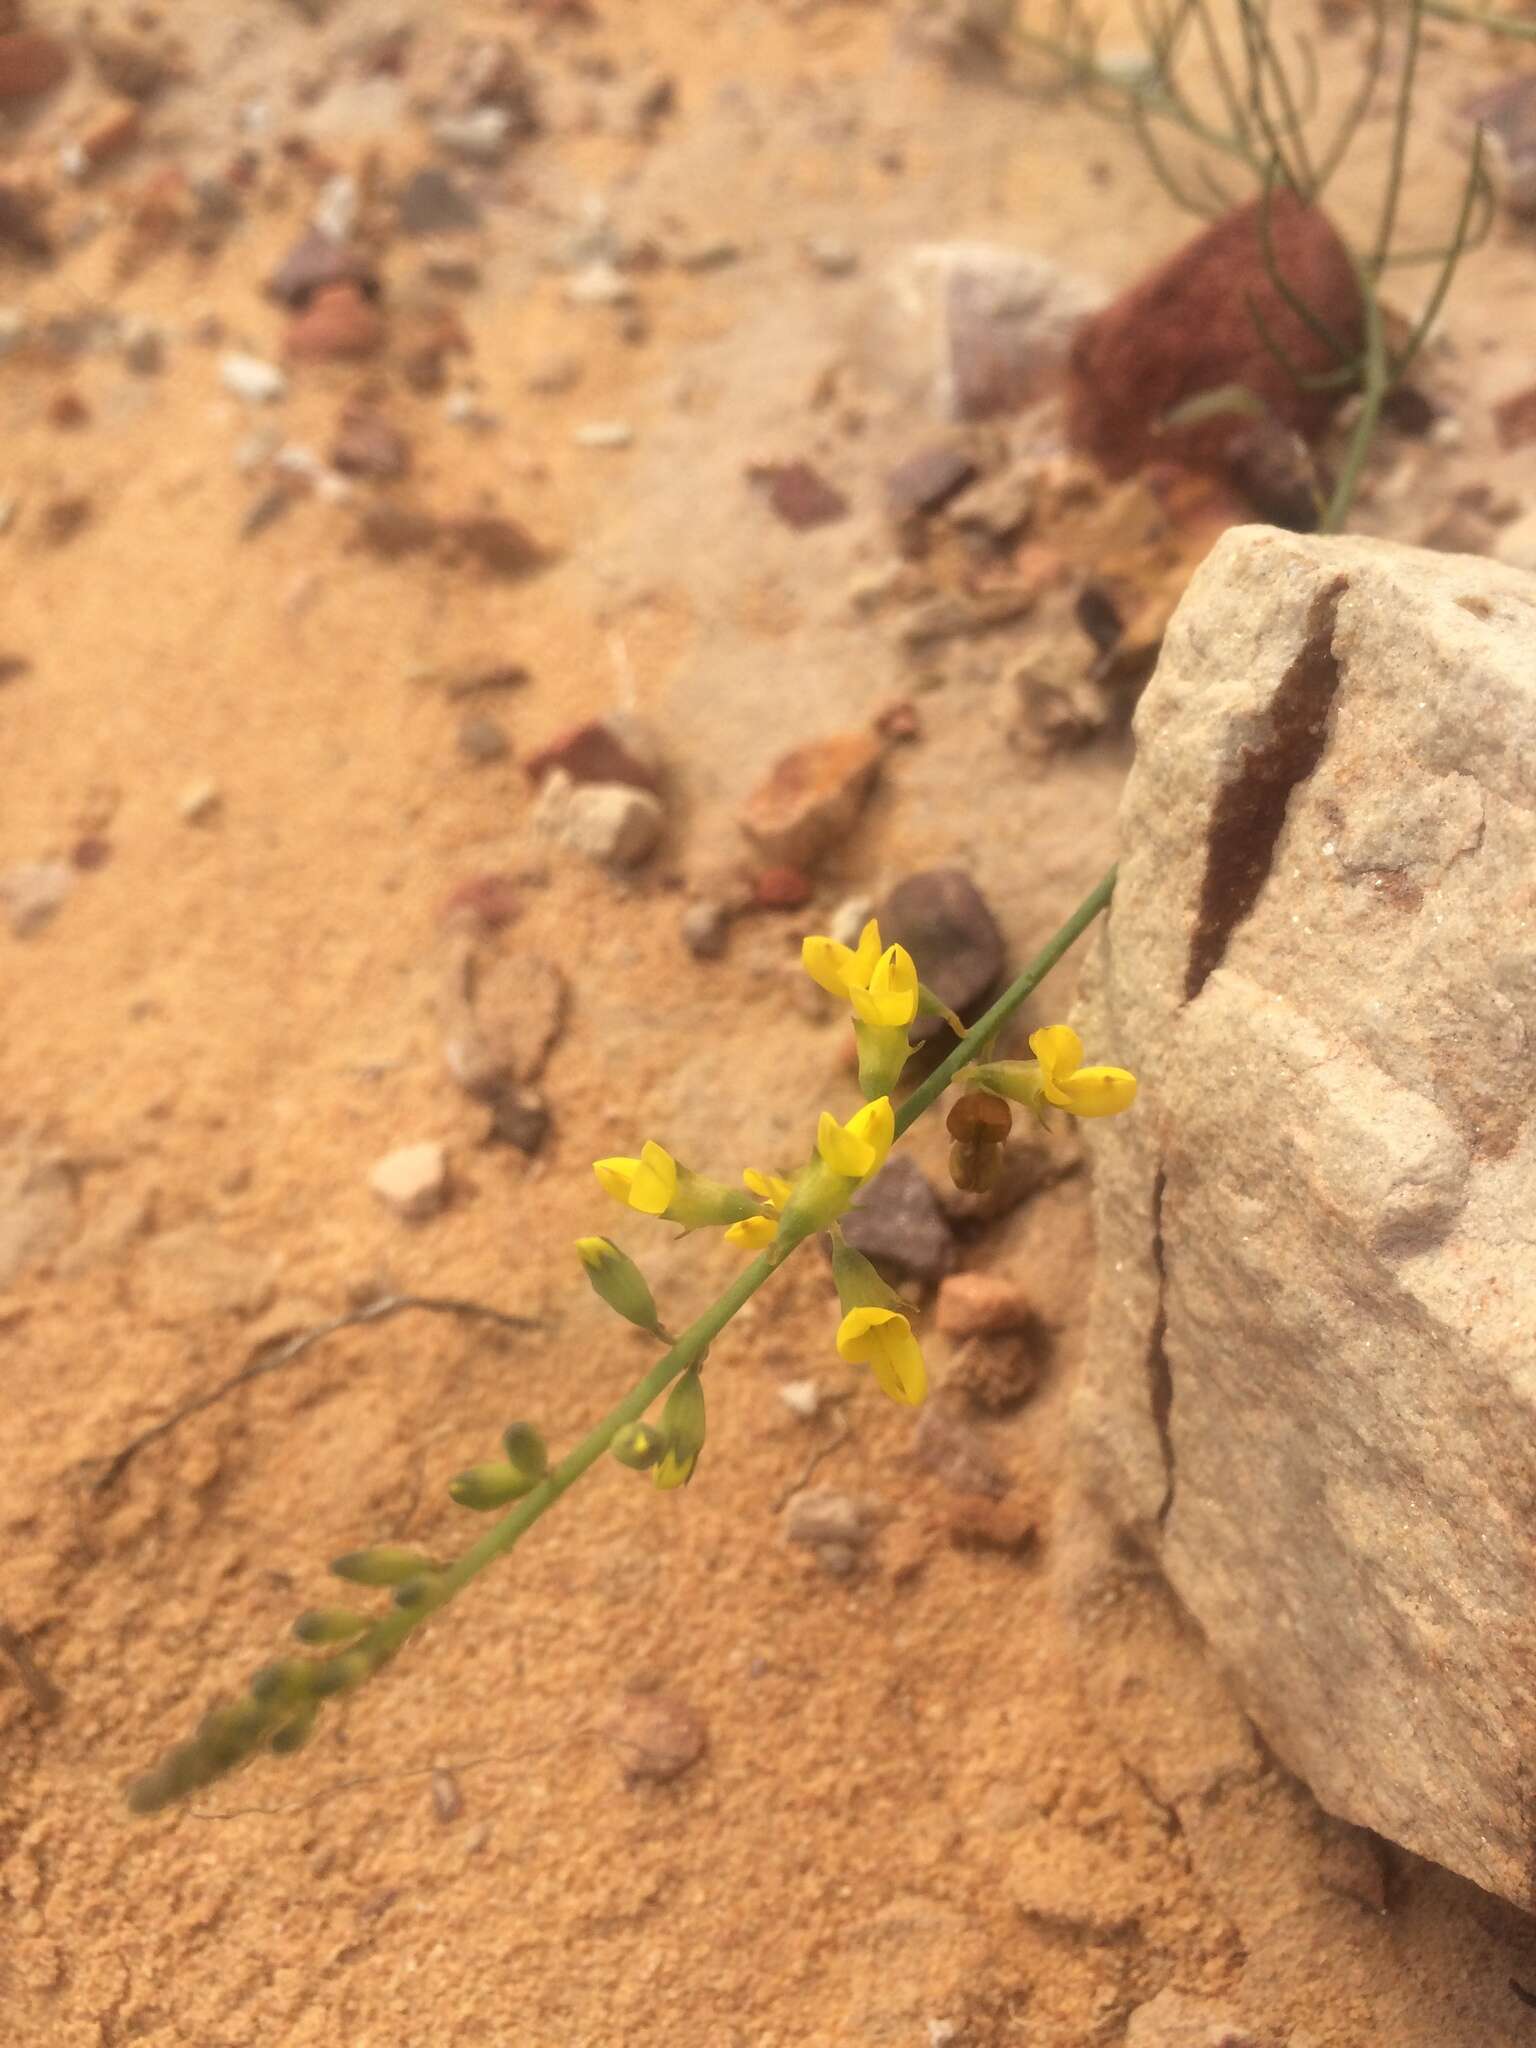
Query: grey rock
x,y
945,923
432,203
37,1210
481,135
896,1221
1310,1386
818,1514
482,738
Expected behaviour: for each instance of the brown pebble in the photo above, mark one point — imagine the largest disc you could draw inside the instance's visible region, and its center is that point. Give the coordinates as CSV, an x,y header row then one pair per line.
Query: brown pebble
x,y
899,720
655,1736
90,853
487,901
111,130
68,409
975,1522
31,63
980,1304
603,750
783,888
369,445
798,494
338,325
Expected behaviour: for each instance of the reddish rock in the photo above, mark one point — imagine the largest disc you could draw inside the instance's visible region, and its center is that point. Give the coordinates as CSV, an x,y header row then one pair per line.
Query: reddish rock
x,y
338,325
493,542
899,720
605,750
1515,418
977,1304
1186,329
975,1522
782,888
811,797
111,130
368,445
31,62
798,494
482,902
655,1736
314,263
22,231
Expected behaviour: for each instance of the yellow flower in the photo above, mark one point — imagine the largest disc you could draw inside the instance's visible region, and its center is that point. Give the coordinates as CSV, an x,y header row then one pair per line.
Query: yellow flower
x,y
1086,1091
657,1186
841,969
874,1330
857,1149
1057,1076
882,1339
752,1233
647,1183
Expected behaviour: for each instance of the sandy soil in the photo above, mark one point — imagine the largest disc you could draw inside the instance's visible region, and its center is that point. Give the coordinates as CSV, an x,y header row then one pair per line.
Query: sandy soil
x,y
959,1796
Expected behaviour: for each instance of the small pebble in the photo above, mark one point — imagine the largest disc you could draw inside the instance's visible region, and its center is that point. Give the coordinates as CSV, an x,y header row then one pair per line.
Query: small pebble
x,y
200,803
483,739
248,377
33,894
818,1515
599,284
412,1181
832,256
802,1398
604,434
705,928
606,821
143,348
481,135
782,888
980,1304
656,1737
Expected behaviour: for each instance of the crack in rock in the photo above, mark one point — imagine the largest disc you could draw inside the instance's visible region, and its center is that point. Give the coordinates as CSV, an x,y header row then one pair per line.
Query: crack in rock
x,y
1249,811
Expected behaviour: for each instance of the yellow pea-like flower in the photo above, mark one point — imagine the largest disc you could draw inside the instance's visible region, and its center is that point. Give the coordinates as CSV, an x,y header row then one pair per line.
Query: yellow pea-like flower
x,y
889,999
752,1233
839,969
647,1183
1056,1076
657,1186
771,1188
882,1339
1085,1091
857,1149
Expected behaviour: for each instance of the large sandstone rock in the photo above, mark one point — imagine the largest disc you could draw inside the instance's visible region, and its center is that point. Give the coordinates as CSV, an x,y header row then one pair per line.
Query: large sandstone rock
x,y
1312,1376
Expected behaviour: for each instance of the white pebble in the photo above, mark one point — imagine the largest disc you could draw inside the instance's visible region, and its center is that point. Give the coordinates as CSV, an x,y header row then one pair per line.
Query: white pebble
x,y
248,377
412,1181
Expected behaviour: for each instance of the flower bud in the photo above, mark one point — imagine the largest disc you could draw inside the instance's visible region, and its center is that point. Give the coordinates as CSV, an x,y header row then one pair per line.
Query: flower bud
x,y
275,1684
420,1595
386,1564
484,1487
329,1625
617,1280
526,1451
639,1445
226,1735
682,1425
293,1735
341,1673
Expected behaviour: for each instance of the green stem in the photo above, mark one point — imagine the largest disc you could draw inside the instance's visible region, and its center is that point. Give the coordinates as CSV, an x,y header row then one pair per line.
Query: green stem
x,y
928,1092
1376,381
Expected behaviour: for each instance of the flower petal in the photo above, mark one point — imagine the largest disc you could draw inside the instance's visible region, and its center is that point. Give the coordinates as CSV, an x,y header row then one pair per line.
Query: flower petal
x,y
752,1233
655,1181
616,1177
830,966
843,1148
875,1125
1059,1050
868,953
1098,1091
768,1187
882,1339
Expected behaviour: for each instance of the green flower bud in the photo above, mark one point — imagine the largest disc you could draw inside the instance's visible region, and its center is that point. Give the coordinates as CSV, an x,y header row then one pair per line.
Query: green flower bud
x,y
386,1564
639,1445
484,1487
226,1735
276,1684
340,1674
682,1424
329,1625
617,1280
420,1595
293,1735
526,1451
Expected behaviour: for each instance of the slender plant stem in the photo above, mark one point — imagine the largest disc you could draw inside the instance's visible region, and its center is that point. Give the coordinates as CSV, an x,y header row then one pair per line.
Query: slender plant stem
x,y
928,1092
1376,382
1496,24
